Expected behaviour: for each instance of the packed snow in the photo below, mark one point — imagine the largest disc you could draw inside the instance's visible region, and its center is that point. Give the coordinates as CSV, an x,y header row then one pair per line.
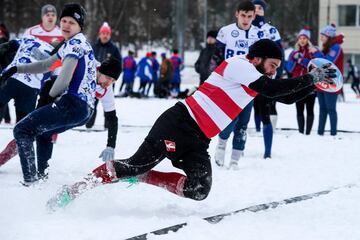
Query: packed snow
x,y
299,165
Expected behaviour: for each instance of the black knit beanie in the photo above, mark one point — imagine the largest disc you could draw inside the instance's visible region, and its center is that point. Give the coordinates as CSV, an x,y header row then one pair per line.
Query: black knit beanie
x,y
75,11
111,67
265,48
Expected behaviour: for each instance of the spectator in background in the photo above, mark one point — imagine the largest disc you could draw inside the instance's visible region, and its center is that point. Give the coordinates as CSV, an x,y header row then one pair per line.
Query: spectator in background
x,y
265,109
104,49
177,64
162,89
155,67
297,66
145,73
354,74
332,51
202,64
47,30
5,60
129,66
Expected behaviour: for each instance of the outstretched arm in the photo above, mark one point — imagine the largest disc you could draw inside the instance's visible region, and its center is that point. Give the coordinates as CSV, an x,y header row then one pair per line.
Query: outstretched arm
x,y
273,88
38,67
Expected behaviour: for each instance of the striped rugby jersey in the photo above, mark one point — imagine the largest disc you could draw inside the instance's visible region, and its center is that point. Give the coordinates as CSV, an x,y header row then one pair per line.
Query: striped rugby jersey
x,y
223,95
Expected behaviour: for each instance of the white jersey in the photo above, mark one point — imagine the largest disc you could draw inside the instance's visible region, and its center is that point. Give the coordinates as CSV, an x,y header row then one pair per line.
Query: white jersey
x,y
269,32
107,98
83,81
237,41
51,36
30,50
222,97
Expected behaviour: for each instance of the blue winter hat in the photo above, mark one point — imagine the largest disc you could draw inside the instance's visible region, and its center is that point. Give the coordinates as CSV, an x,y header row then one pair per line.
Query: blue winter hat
x,y
260,2
329,31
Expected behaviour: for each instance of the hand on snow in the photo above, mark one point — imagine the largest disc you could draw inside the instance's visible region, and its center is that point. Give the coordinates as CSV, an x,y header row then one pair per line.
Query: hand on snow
x,y
323,74
107,154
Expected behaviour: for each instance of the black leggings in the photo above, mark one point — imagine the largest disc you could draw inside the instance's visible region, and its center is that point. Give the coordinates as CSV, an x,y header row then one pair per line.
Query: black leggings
x,y
309,102
355,86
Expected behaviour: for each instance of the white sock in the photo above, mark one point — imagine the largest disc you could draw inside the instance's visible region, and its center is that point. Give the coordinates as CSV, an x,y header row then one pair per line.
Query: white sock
x,y
236,154
273,120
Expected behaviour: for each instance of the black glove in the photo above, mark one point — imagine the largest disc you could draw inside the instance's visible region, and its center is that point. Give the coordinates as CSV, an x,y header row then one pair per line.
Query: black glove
x,y
323,74
7,74
45,99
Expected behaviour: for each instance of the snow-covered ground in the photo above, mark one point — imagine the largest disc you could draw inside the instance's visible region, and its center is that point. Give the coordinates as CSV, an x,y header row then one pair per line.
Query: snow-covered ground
x,y
300,165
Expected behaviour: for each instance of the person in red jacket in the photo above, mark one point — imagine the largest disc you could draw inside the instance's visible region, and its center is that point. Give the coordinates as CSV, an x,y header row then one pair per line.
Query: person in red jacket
x,y
297,66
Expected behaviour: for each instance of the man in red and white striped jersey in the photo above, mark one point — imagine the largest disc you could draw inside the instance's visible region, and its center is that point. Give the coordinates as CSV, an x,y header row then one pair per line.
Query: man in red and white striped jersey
x,y
183,132
47,30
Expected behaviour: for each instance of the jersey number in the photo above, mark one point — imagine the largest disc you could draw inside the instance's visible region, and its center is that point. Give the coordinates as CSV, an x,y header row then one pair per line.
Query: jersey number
x,y
230,53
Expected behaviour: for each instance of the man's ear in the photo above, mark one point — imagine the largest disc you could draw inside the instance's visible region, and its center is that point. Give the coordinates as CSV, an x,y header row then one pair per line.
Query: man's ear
x,y
257,60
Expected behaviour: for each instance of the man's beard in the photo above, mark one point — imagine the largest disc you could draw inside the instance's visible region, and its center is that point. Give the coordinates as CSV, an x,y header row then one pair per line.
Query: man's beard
x,y
261,68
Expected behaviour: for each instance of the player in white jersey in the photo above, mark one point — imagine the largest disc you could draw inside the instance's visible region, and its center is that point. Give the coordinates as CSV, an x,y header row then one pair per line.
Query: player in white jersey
x,y
23,88
74,87
265,109
235,39
183,132
47,30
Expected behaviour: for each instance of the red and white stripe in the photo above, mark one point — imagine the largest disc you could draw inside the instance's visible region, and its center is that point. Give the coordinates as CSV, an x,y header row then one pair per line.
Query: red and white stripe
x,y
51,36
223,95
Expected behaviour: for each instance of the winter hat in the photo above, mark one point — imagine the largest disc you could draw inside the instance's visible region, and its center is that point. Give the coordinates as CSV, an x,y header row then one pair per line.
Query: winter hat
x,y
212,34
265,48
105,28
75,11
163,55
305,32
260,2
329,31
48,8
111,67
148,54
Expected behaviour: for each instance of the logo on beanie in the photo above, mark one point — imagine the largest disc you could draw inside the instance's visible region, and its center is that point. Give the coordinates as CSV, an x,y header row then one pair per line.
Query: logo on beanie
x,y
235,33
77,16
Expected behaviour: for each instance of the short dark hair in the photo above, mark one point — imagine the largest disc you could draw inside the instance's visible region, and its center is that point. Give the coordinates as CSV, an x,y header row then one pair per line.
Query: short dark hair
x,y
175,51
245,6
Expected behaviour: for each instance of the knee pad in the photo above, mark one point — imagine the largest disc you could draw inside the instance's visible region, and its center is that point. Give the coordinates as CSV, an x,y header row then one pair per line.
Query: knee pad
x,y
198,190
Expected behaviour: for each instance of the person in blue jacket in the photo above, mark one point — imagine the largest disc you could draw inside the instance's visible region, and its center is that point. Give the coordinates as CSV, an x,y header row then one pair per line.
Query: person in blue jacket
x,y
144,72
155,67
177,64
129,67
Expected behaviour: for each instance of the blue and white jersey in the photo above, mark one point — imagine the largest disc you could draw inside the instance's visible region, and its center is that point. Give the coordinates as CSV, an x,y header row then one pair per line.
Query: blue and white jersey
x,y
236,40
30,50
269,32
83,81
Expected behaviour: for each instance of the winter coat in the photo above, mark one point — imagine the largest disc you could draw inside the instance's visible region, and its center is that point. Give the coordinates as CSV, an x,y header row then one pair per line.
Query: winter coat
x,y
202,64
129,66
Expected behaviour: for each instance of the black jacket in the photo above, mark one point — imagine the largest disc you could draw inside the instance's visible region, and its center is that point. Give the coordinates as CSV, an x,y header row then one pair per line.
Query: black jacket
x,y
202,64
103,51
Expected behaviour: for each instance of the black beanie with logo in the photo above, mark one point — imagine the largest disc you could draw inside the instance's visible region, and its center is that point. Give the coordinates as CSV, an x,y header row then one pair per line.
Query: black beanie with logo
x,y
75,11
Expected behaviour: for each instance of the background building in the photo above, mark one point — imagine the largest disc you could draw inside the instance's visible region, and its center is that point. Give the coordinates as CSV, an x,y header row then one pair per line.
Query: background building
x,y
346,15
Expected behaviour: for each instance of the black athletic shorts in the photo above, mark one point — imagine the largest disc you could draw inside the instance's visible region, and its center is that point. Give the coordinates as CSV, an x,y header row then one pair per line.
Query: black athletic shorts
x,y
178,137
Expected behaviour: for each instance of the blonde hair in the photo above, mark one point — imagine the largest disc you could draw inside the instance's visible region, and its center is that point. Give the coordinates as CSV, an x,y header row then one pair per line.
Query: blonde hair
x,y
297,45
